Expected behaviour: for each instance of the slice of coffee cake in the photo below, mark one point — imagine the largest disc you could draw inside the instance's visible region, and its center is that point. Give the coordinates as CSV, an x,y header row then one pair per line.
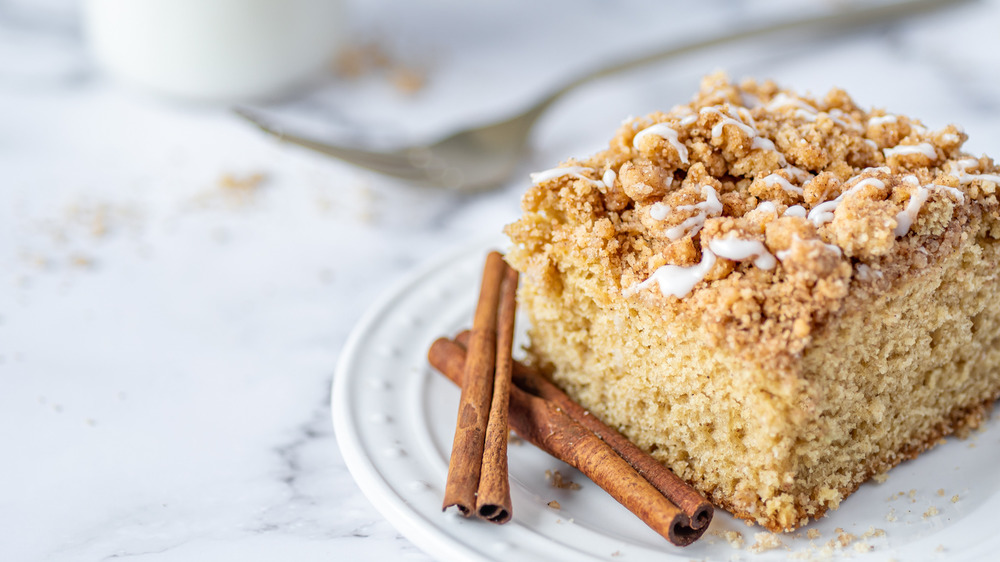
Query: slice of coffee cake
x,y
778,296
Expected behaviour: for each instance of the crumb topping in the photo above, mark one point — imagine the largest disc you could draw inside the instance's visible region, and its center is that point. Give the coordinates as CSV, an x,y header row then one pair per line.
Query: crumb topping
x,y
757,207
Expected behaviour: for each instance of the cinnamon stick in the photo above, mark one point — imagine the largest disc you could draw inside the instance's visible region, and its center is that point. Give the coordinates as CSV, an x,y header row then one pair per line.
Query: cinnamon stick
x,y
465,465
543,423
493,499
698,509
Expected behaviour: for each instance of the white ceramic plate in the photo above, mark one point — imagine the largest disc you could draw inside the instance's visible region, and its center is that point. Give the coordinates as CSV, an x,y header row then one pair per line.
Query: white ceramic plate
x,y
394,418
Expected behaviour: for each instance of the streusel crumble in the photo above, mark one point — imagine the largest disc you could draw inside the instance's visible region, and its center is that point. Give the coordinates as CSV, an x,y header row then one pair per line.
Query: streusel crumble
x,y
778,296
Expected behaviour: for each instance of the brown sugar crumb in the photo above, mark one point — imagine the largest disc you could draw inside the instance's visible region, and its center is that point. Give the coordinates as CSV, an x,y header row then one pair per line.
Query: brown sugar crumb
x,y
940,492
813,534
734,538
881,478
891,516
954,499
554,504
931,512
236,190
557,480
843,539
372,57
765,541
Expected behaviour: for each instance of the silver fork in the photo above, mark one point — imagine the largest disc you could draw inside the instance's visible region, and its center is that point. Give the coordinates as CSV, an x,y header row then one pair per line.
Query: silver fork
x,y
484,156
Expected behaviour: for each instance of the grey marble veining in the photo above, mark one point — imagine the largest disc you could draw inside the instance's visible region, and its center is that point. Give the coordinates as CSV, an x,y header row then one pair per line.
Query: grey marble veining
x,y
167,345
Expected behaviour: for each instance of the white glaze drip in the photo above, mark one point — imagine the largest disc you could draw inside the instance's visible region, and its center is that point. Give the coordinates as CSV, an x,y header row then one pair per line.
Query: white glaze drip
x,y
575,171
925,148
665,132
906,217
676,280
959,170
710,207
881,120
779,180
738,249
608,179
727,119
784,100
783,255
659,211
766,207
795,211
823,213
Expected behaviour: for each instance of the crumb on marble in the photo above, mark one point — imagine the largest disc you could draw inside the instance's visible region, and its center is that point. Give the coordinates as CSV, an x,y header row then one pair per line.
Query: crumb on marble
x,y
765,541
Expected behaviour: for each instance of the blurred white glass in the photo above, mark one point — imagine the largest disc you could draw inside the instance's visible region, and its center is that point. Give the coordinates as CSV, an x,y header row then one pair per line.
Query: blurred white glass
x,y
214,50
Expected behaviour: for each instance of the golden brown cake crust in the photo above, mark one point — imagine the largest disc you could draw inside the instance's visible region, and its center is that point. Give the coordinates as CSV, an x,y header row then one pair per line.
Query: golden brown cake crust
x,y
817,185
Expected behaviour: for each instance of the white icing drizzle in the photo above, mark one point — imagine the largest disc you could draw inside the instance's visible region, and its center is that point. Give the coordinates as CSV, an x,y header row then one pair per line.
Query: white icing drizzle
x,y
959,170
766,207
950,138
608,179
710,207
795,211
739,120
727,119
925,148
906,217
823,213
575,171
798,173
687,120
779,180
659,211
738,249
763,144
665,132
783,255
784,100
838,116
806,115
677,280
881,120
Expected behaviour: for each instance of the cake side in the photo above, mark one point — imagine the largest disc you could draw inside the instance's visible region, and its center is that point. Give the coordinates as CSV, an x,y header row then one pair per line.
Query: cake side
x,y
698,282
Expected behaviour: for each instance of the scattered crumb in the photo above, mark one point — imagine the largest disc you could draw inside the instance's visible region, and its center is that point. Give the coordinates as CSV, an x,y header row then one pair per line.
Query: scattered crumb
x,y
241,188
554,504
765,541
81,261
616,554
843,539
734,538
881,478
931,512
891,516
371,57
940,492
408,80
873,532
813,533
558,481
863,547
940,548
954,499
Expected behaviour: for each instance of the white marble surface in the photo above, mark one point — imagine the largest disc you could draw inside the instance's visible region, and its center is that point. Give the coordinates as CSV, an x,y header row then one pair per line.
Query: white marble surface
x,y
167,348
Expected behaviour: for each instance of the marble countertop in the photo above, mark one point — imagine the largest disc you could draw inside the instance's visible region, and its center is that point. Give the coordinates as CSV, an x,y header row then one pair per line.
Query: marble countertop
x,y
175,288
